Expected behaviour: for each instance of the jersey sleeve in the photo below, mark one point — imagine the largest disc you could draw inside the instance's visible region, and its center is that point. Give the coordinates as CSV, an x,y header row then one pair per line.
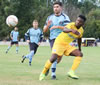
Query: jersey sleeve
x,y
27,35
68,26
18,34
11,33
41,35
81,32
66,20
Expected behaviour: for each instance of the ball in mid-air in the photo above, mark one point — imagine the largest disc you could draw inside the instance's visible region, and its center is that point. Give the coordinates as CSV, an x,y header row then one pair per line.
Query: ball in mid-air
x,y
11,20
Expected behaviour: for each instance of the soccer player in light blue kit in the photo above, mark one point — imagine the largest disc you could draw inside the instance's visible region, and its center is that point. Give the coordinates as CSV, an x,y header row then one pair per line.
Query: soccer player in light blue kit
x,y
56,19
14,39
34,37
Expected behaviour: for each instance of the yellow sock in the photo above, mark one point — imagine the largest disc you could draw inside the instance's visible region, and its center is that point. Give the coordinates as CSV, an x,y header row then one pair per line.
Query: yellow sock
x,y
76,63
47,66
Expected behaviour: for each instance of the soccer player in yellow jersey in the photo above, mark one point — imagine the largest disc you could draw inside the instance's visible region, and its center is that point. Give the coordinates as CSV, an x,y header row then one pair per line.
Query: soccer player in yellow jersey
x,y
62,46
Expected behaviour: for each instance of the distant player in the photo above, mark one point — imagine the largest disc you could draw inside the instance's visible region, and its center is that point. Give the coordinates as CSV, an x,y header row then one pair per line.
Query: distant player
x,y
62,46
14,39
58,18
34,37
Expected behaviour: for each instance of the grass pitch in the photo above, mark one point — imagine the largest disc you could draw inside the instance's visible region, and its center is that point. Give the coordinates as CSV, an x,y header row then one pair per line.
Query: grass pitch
x,y
13,72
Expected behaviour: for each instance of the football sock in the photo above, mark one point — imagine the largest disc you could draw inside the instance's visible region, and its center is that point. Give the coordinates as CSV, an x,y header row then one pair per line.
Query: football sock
x,y
46,67
76,63
17,49
8,48
31,55
53,68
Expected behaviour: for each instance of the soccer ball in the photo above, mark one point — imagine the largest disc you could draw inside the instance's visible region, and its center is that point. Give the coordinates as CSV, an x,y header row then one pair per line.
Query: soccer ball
x,y
11,20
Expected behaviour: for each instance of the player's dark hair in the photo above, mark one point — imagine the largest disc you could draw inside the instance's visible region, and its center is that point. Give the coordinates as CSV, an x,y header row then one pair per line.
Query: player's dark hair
x,y
82,17
58,2
35,20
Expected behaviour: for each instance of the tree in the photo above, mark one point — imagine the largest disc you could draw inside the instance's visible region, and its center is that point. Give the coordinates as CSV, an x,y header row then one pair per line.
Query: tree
x,y
92,28
26,11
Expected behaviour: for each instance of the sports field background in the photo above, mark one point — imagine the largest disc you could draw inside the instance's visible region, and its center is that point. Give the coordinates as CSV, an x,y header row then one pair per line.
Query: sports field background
x,y
13,72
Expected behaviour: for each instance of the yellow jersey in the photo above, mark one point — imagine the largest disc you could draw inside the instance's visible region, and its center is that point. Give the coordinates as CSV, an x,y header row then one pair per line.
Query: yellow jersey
x,y
69,37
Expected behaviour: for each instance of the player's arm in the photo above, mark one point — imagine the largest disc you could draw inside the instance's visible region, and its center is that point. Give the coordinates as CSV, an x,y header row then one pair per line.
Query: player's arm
x,y
79,43
66,30
27,38
41,38
46,27
11,36
18,36
57,27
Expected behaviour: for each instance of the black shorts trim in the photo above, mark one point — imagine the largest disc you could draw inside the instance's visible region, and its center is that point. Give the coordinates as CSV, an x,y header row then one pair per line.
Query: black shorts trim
x,y
12,42
33,46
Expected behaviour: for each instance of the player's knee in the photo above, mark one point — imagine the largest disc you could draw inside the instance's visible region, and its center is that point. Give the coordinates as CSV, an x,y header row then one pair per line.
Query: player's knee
x,y
53,58
59,59
80,54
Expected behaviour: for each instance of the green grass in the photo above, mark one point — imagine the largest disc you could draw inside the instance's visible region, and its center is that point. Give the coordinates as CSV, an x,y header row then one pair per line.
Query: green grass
x,y
13,72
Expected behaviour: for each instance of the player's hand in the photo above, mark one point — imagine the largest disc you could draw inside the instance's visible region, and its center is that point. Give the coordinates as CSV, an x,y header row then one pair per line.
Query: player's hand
x,y
11,38
49,23
53,27
28,41
39,43
75,32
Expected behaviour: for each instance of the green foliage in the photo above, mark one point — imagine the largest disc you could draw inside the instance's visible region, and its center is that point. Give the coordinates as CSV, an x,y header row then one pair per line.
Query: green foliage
x,y
28,10
93,24
87,6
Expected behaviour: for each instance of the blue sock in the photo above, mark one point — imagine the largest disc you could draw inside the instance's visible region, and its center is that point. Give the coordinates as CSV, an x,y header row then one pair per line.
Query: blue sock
x,y
17,49
31,55
8,48
53,68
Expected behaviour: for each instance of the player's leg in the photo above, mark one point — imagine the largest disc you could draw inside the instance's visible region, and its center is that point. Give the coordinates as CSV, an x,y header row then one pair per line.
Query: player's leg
x,y
28,55
59,59
47,66
57,51
78,57
53,67
9,47
32,53
33,49
17,47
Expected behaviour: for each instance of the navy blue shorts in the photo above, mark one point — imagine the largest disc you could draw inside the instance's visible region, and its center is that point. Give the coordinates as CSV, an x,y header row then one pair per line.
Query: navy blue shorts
x,y
51,42
14,42
33,46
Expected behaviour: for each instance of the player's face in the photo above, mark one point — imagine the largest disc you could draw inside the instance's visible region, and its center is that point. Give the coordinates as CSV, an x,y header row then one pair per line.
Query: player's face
x,y
35,25
79,22
57,9
16,28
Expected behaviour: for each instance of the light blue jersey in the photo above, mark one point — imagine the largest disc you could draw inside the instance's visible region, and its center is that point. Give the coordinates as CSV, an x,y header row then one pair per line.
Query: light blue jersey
x,y
15,35
61,20
34,35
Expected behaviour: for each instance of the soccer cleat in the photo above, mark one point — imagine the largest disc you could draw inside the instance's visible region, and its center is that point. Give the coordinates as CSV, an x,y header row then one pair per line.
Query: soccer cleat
x,y
72,75
16,52
6,52
23,59
46,74
29,63
53,77
42,76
